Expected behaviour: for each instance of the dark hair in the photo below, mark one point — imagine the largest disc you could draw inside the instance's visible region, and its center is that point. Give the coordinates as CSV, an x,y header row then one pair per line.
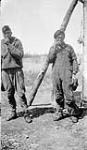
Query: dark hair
x,y
5,29
57,33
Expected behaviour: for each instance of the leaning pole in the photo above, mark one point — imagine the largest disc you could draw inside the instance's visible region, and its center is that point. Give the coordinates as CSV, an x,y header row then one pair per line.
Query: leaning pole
x,y
84,57
41,75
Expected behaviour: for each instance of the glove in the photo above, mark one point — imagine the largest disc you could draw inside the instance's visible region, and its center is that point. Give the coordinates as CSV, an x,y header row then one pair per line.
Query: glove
x,y
74,82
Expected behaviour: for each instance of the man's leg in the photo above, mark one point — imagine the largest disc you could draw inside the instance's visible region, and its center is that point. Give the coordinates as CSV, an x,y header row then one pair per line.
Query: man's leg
x,y
70,107
12,103
20,87
7,83
57,98
21,93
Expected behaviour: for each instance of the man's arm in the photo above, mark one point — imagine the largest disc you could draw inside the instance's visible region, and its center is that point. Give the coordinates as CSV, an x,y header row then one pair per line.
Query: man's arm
x,y
16,49
75,62
4,50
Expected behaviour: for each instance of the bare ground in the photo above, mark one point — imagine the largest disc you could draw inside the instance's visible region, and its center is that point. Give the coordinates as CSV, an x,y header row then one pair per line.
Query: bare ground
x,y
43,133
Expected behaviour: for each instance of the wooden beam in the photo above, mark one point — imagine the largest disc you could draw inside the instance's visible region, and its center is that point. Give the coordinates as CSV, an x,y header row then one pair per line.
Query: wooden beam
x,y
84,57
82,1
41,75
68,15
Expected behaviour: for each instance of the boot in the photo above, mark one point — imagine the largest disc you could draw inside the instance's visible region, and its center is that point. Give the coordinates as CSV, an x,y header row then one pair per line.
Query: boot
x,y
27,116
78,111
24,105
12,116
74,119
58,115
69,111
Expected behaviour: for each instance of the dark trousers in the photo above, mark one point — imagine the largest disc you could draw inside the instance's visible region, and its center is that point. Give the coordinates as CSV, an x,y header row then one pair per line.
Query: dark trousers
x,y
13,80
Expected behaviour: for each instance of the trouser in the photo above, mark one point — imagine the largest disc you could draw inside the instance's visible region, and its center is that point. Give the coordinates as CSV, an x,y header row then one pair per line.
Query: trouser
x,y
13,80
62,94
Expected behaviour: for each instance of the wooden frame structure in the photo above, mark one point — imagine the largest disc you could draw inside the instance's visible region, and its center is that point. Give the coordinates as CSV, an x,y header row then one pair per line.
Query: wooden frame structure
x,y
63,27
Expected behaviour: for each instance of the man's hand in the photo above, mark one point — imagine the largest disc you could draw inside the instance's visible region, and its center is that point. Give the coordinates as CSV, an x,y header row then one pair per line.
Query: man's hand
x,y
7,40
74,82
10,46
73,76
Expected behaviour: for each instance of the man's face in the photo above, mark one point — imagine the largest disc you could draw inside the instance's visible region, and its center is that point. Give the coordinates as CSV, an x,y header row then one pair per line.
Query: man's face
x,y
60,38
7,35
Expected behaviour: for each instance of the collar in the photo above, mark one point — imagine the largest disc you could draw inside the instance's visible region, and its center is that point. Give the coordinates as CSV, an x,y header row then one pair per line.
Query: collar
x,y
60,46
11,41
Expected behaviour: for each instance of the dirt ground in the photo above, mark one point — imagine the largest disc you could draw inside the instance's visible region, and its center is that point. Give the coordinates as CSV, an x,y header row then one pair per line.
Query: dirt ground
x,y
43,133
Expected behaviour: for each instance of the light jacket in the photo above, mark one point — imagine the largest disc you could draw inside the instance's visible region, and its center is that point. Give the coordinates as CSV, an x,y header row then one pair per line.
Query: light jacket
x,y
11,54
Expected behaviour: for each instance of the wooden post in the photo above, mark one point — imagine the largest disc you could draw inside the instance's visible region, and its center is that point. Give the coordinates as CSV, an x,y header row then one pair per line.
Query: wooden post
x,y
41,75
84,58
68,15
82,1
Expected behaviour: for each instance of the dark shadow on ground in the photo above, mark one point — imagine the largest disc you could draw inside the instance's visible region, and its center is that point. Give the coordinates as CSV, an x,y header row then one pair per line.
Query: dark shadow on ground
x,y
38,110
41,109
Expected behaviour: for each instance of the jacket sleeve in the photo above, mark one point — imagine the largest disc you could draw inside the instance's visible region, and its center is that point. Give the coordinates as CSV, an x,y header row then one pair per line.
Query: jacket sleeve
x,y
4,50
75,62
52,55
16,49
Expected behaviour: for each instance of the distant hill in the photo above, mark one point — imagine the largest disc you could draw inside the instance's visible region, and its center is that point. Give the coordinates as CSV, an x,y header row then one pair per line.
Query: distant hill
x,y
34,55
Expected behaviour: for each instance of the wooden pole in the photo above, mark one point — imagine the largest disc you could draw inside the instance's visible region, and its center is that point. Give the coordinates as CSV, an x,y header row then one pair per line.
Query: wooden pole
x,y
82,1
68,15
41,75
84,58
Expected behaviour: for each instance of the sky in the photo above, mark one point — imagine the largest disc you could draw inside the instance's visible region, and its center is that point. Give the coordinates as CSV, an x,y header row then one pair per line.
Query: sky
x,y
34,22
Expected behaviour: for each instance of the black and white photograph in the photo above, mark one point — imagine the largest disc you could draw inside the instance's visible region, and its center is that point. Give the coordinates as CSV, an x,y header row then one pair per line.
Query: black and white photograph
x,y
43,104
